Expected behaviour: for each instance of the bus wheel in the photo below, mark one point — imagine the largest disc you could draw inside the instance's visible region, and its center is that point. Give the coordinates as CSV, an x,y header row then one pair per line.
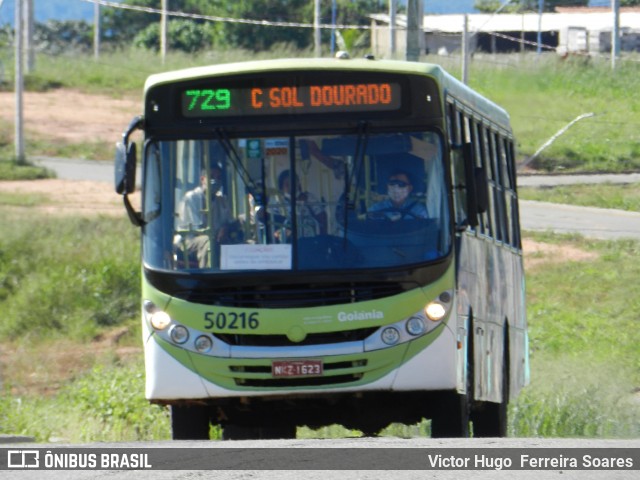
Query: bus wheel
x,y
189,422
452,416
453,410
242,432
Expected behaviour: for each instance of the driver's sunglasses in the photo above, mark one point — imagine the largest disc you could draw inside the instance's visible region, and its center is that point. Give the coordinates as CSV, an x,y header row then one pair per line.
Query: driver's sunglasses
x,y
397,183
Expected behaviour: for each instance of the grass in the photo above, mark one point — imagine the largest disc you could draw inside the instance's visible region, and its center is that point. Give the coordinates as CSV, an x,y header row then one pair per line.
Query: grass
x,y
105,402
619,197
544,94
65,277
584,344
14,170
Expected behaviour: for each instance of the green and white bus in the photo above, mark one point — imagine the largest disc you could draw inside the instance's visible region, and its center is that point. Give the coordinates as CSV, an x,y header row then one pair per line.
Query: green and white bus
x,y
327,241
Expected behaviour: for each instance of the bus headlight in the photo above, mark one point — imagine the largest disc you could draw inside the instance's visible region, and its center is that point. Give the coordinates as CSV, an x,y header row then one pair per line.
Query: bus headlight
x,y
415,326
435,311
203,344
390,336
160,320
179,334
438,309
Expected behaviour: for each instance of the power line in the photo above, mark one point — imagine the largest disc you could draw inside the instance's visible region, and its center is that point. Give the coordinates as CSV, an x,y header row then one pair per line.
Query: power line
x,y
213,18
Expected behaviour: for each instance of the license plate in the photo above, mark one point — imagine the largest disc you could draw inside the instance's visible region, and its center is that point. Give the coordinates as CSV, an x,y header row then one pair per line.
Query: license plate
x,y
296,368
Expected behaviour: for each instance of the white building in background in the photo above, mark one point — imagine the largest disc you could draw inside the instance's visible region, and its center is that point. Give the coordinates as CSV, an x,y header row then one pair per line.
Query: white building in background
x,y
569,30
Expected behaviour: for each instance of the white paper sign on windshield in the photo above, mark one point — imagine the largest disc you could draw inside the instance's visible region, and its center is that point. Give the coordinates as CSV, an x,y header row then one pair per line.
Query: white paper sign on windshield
x,y
255,257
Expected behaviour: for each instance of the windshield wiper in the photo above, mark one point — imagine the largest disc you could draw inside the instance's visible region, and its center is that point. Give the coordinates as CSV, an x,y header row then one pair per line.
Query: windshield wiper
x,y
358,159
231,152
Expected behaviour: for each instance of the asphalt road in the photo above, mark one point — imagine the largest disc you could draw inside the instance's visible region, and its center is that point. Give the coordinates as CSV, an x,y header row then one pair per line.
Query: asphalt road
x,y
535,216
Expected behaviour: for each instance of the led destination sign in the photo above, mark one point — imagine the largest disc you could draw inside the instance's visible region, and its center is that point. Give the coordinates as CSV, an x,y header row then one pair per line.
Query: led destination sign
x,y
275,100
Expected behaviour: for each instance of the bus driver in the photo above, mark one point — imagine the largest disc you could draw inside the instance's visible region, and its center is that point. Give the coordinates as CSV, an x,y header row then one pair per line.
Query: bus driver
x,y
399,205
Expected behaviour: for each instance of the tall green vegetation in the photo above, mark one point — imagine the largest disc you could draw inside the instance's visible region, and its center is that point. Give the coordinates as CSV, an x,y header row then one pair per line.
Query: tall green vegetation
x,y
585,348
65,277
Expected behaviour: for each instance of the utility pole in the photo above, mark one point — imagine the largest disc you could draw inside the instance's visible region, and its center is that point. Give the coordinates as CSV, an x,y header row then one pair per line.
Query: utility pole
x,y
393,7
414,30
96,30
19,82
334,13
615,33
465,50
28,29
163,31
539,42
317,33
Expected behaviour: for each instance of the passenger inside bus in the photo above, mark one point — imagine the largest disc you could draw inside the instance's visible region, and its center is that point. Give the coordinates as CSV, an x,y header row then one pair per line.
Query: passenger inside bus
x,y
204,211
399,205
311,216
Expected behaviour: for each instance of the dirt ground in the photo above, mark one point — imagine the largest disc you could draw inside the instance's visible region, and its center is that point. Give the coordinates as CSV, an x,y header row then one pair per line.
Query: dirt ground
x,y
71,116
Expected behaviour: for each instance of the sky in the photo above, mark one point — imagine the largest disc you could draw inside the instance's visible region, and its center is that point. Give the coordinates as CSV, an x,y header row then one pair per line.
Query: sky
x,y
50,10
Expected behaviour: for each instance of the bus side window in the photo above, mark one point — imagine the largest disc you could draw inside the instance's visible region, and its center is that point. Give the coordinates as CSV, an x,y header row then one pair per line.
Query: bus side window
x,y
510,192
496,191
458,179
505,187
480,162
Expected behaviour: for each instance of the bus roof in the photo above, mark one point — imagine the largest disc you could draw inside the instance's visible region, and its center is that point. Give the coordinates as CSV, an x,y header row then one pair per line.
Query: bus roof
x,y
449,83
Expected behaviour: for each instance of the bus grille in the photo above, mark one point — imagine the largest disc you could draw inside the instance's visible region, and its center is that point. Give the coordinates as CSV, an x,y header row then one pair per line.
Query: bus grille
x,y
292,296
283,341
297,382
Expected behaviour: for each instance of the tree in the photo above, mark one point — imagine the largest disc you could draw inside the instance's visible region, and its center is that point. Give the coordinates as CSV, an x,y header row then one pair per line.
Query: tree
x,y
63,36
123,26
262,37
183,35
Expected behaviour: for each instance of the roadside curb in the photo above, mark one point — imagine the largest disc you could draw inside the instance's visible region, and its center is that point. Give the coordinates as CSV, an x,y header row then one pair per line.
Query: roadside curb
x,y
535,180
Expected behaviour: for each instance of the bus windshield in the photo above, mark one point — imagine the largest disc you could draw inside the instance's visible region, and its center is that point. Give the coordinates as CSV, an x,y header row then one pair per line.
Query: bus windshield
x,y
308,202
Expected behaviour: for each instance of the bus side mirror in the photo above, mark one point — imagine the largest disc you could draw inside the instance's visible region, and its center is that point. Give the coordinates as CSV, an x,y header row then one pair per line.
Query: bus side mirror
x,y
126,159
125,168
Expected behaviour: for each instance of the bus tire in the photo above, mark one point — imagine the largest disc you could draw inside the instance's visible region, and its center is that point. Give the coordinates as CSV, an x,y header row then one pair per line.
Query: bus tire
x,y
452,416
189,422
453,412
